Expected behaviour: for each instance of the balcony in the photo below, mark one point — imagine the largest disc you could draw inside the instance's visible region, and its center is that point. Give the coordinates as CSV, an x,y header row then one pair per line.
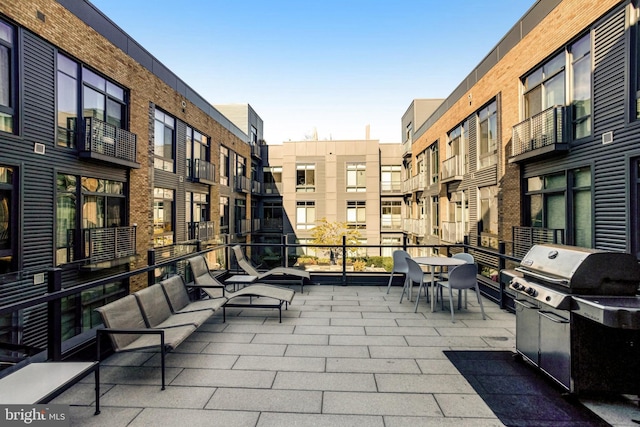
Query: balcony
x,y
454,168
393,187
255,151
391,223
241,184
108,245
203,230
272,224
105,142
453,232
243,226
256,187
406,148
272,188
199,170
539,136
414,226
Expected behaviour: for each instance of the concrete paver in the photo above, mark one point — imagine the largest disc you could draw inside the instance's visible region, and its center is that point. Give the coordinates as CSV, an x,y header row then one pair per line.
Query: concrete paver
x,y
341,356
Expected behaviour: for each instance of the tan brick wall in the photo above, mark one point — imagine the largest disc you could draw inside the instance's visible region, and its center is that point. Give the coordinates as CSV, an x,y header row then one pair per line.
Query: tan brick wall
x,y
566,21
64,30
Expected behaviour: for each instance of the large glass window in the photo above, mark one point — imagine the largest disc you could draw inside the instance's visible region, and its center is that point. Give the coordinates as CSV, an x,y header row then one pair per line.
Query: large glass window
x,y
101,100
305,215
272,176
356,177
163,207
224,165
197,154
164,141
305,177
562,201
356,214
7,77
391,218
224,214
8,219
488,141
391,178
273,215
581,104
434,162
545,86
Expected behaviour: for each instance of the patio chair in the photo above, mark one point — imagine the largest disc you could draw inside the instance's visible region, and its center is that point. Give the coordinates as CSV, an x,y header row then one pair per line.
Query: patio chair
x,y
210,285
399,266
462,277
275,275
415,275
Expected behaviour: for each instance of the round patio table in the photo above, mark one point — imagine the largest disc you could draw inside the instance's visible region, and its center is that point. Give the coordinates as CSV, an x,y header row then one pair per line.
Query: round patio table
x,y
433,262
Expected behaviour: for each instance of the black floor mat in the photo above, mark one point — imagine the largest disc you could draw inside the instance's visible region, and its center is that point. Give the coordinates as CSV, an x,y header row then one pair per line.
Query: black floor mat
x,y
518,393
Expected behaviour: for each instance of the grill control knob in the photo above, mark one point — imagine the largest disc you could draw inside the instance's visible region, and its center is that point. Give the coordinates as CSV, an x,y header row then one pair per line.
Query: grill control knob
x,y
530,291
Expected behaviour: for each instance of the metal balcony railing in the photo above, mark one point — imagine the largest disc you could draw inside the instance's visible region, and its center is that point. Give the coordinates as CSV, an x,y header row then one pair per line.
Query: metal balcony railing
x,y
414,226
243,226
391,223
256,187
525,237
272,224
272,188
107,244
453,232
391,187
107,141
203,230
454,168
199,170
255,150
241,184
256,225
542,130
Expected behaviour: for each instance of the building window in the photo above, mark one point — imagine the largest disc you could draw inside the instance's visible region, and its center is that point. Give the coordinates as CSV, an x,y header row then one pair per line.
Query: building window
x,y
434,162
198,155
391,218
356,177
272,177
434,212
224,214
224,165
8,219
305,177
100,99
581,103
164,141
457,152
408,133
197,207
357,214
488,143
545,86
163,207
305,215
273,216
7,78
254,135
556,200
83,204
391,178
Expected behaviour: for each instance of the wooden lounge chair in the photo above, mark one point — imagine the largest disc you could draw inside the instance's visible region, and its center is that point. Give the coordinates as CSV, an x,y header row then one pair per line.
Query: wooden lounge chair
x,y
203,279
275,275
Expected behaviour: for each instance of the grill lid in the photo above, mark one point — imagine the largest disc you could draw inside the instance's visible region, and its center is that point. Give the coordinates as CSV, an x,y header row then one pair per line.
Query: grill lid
x,y
582,270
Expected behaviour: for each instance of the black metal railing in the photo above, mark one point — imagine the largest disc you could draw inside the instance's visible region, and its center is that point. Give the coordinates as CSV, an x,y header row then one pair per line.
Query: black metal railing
x,y
525,237
108,140
201,171
241,184
106,244
543,129
203,230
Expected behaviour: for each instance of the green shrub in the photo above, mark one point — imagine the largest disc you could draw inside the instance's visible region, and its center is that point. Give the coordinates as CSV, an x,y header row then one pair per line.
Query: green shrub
x,y
359,265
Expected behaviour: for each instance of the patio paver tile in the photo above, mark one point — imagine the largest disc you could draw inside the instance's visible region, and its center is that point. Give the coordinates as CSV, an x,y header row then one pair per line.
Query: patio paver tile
x,y
194,418
325,381
380,404
270,419
298,401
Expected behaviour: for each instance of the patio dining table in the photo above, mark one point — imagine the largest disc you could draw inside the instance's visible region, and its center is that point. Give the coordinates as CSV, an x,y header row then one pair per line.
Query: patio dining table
x,y
433,262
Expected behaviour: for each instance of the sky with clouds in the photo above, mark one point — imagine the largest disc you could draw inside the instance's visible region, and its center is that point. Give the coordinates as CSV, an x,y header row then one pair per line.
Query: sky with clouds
x,y
333,66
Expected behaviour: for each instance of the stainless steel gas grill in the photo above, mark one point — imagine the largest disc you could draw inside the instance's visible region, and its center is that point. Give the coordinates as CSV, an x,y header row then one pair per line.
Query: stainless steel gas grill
x,y
578,317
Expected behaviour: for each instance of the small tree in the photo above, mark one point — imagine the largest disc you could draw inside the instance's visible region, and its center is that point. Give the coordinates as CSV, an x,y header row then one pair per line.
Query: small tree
x,y
331,233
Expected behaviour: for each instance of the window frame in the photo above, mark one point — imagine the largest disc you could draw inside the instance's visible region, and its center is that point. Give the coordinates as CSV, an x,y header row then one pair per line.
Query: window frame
x,y
356,171
11,110
306,185
308,207
358,210
168,122
164,237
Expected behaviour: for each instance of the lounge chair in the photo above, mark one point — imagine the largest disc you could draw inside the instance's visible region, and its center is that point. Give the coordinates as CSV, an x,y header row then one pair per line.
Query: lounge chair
x,y
203,279
275,275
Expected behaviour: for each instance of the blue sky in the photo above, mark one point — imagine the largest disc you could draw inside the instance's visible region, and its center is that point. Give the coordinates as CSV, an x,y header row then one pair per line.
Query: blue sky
x,y
330,65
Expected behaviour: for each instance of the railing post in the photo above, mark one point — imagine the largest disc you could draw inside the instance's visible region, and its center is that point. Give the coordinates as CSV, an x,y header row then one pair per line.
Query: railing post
x,y
501,266
54,314
151,260
344,260
285,252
